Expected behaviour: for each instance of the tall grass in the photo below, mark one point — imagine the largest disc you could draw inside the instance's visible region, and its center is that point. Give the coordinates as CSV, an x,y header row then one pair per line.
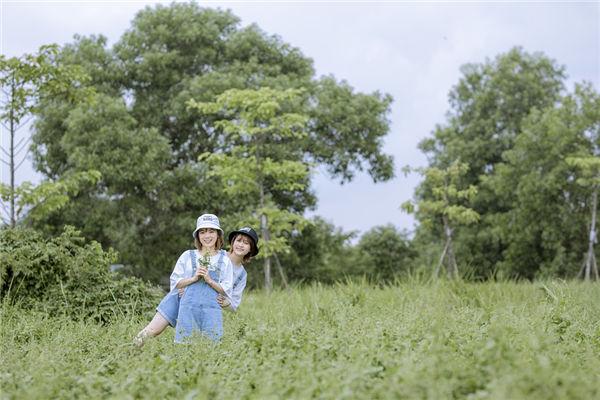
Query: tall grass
x,y
413,340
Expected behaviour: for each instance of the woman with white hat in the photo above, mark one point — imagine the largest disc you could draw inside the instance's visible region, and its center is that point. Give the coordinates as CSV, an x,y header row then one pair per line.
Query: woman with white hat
x,y
201,274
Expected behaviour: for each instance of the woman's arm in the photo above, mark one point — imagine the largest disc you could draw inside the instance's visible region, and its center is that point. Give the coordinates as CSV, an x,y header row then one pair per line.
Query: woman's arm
x,y
203,273
186,282
181,272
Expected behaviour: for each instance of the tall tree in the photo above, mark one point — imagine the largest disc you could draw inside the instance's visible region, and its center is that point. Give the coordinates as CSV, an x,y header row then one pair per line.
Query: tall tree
x,y
172,54
25,82
544,229
266,129
448,205
487,109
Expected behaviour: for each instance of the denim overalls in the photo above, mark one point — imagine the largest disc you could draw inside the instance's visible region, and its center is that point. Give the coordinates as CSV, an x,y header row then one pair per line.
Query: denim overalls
x,y
197,309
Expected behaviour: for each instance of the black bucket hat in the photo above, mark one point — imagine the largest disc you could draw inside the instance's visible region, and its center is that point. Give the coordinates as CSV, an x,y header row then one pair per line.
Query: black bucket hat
x,y
251,233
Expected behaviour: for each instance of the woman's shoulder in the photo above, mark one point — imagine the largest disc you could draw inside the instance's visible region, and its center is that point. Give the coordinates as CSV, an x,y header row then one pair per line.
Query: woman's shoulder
x,y
186,254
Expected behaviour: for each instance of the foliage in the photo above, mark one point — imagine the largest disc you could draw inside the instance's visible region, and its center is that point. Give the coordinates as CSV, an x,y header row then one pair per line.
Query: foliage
x,y
449,340
490,114
41,201
144,139
384,254
25,81
264,130
319,252
544,229
66,276
448,195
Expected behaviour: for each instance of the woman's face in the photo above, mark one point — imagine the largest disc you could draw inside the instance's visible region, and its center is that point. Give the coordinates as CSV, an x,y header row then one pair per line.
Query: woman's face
x,y
208,237
241,245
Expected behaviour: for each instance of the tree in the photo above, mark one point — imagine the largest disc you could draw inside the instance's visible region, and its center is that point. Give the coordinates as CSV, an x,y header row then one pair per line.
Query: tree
x,y
543,226
488,107
261,123
590,177
25,81
448,194
172,54
320,252
383,253
588,165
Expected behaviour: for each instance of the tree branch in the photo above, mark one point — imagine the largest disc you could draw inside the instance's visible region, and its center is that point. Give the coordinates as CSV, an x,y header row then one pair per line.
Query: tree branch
x,y
23,146
22,161
24,123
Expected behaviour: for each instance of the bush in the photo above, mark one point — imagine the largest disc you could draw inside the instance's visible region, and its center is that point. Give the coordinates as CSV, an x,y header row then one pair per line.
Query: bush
x,y
66,275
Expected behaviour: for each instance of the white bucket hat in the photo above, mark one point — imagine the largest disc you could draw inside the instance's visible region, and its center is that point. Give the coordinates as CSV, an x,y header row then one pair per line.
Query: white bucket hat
x,y
207,221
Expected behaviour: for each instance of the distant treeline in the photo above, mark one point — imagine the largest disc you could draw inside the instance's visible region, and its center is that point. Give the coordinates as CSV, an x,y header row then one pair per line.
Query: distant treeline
x,y
527,147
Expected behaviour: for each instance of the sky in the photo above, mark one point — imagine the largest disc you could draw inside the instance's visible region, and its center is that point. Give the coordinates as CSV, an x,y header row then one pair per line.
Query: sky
x,y
411,50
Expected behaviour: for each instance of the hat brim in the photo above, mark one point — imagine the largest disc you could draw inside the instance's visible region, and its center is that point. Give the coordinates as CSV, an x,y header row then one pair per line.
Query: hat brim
x,y
207,226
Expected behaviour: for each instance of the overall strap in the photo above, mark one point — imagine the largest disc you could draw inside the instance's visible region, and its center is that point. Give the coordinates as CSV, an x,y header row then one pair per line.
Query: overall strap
x,y
221,254
240,277
220,264
193,255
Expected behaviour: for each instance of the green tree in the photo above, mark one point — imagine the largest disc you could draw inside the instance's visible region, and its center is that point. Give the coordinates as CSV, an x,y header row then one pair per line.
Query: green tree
x,y
25,82
320,252
263,125
488,107
172,54
446,206
383,253
543,227
590,177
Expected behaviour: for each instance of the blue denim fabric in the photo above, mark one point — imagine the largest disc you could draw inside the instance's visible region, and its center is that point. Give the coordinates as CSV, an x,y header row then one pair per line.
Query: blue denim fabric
x,y
169,307
198,308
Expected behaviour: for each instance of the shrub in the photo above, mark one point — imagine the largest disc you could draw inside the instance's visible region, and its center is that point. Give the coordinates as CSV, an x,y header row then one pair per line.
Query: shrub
x,y
66,275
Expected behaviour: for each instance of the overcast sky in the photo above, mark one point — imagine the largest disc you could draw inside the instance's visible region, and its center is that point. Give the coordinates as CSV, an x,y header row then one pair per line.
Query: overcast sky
x,y
411,50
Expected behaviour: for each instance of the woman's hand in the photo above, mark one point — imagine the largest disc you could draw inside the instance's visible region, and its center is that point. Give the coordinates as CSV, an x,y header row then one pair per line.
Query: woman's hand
x,y
223,301
202,273
181,291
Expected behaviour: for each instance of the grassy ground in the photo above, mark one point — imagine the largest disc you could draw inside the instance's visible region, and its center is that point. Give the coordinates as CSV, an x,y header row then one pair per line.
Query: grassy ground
x,y
431,341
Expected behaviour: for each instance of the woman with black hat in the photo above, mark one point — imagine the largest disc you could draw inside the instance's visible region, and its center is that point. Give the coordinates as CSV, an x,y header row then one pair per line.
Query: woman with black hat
x,y
243,246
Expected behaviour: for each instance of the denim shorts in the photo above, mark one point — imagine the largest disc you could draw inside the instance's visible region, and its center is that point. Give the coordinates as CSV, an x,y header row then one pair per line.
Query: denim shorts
x,y
169,307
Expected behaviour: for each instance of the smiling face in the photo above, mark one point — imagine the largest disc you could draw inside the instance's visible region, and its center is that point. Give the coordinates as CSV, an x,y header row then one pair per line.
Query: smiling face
x,y
241,245
208,238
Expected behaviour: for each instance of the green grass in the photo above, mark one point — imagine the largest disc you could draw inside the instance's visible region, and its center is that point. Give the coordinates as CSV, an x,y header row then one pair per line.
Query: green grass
x,y
432,341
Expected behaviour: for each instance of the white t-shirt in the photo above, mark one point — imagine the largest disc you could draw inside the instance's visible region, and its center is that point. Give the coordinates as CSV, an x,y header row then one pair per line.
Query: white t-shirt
x,y
183,269
239,283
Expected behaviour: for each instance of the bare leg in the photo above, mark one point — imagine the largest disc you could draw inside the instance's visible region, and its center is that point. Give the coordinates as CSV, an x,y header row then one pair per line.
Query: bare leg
x,y
153,329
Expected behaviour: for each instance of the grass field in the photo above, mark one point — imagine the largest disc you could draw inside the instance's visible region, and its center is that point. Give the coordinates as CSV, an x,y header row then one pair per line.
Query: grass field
x,y
411,341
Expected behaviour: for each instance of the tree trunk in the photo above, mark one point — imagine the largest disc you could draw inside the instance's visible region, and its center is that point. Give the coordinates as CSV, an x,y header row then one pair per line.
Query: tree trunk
x,y
451,267
281,272
590,267
264,226
267,267
439,266
13,217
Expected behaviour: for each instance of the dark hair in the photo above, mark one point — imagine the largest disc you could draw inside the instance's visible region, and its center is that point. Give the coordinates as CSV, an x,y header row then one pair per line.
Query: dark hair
x,y
252,251
218,243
